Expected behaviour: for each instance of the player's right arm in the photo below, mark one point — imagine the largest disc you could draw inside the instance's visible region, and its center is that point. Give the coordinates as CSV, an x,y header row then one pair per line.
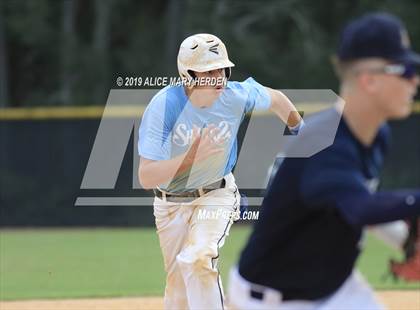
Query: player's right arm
x,y
154,172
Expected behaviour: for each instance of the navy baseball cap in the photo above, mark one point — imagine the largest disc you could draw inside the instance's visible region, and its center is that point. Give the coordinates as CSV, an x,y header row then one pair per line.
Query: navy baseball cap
x,y
380,35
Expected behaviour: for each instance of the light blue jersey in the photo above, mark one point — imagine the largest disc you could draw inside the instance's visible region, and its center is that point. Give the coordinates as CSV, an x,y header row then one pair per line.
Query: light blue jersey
x,y
166,129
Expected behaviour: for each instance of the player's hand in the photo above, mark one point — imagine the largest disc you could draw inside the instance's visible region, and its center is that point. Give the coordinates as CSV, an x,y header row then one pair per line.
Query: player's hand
x,y
206,142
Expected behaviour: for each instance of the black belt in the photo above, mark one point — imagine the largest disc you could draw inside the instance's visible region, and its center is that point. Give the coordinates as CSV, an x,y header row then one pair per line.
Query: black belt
x,y
193,194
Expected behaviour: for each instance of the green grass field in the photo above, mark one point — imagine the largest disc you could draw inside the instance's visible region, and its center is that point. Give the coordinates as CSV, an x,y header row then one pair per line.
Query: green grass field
x,y
68,263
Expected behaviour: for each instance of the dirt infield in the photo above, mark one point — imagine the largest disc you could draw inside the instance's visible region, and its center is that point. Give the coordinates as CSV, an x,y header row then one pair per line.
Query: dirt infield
x,y
395,300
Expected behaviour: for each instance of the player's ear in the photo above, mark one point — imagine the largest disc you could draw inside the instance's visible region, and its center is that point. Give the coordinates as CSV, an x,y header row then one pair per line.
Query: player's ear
x,y
367,82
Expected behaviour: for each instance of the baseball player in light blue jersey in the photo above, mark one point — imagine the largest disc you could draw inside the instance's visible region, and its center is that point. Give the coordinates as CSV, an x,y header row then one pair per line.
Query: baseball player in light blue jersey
x,y
188,148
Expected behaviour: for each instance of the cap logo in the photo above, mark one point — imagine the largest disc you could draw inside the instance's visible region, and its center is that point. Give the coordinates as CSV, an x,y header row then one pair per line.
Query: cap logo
x,y
405,40
214,49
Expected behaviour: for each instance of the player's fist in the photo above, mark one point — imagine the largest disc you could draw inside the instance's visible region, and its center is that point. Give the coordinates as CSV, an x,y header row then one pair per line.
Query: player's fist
x,y
206,142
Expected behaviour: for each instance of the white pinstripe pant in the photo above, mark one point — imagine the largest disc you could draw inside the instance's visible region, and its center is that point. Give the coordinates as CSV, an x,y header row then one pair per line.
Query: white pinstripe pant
x,y
190,246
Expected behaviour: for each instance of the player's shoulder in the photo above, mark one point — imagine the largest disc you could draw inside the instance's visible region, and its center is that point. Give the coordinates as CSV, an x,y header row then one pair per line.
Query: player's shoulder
x,y
169,97
169,93
250,82
350,145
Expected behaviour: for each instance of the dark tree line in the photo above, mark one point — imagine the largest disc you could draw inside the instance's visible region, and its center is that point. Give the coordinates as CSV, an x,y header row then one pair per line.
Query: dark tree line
x,y
69,52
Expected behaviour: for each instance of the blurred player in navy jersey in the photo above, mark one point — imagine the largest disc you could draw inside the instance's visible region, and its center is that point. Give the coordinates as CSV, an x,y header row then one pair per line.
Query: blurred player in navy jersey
x,y
302,251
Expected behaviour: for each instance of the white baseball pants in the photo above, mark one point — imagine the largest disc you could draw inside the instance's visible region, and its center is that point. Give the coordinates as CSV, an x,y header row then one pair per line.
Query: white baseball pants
x,y
354,294
190,235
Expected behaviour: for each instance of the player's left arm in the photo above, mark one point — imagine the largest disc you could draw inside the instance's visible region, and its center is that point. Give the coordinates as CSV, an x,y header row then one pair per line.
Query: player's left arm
x,y
335,179
284,109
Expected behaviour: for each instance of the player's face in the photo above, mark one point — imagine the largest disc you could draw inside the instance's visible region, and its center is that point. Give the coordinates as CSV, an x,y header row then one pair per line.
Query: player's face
x,y
392,87
213,79
396,94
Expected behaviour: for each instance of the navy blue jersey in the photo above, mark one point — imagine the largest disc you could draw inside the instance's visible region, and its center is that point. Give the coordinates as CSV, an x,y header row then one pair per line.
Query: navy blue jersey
x,y
308,236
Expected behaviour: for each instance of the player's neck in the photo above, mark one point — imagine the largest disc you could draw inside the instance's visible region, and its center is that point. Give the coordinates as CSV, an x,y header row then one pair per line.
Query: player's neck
x,y
201,98
362,118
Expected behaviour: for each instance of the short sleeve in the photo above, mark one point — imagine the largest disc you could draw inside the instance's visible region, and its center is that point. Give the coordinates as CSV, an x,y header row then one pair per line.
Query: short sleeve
x,y
154,131
259,98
